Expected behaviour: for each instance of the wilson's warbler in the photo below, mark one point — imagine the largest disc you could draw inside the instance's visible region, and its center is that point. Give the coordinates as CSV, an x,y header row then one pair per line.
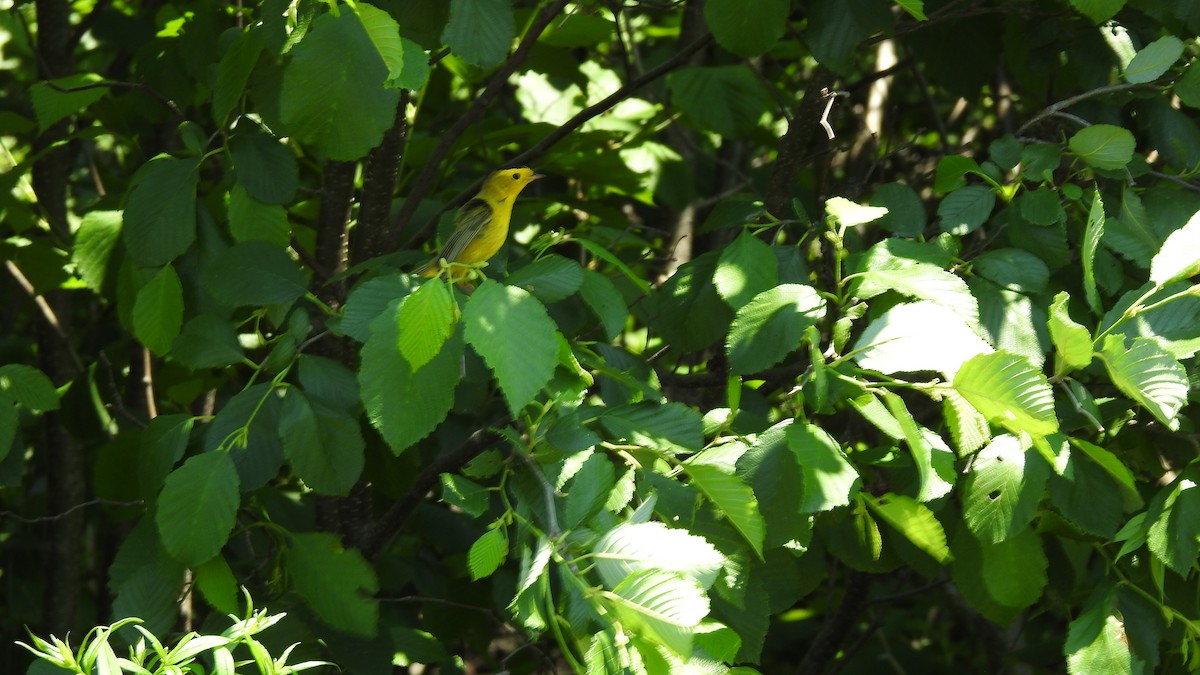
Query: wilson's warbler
x,y
481,225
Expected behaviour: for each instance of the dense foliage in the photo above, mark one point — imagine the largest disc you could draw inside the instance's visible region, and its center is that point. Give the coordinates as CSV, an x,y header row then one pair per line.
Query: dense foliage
x,y
842,335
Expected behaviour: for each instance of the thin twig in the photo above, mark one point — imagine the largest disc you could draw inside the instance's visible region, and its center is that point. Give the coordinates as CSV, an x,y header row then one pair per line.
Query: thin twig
x,y
113,84
59,516
47,312
1068,102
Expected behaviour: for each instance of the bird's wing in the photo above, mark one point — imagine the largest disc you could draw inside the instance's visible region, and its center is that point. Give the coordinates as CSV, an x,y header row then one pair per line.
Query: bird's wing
x,y
471,219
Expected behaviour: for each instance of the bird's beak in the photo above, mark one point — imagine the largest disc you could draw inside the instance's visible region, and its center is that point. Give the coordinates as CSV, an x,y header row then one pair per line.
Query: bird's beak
x,y
536,176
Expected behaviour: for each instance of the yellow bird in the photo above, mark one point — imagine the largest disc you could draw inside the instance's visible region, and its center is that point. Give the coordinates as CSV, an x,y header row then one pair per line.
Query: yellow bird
x,y
481,225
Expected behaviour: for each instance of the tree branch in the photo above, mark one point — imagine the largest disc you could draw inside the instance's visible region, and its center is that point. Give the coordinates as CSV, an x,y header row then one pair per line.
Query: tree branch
x,y
425,179
374,228
380,534
794,144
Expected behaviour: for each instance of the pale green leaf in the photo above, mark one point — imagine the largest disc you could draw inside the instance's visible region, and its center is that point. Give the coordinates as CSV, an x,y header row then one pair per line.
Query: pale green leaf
x,y
830,480
95,242
1073,341
1147,374
1103,146
384,33
968,427
1179,257
662,606
427,319
934,461
734,498
915,521
511,330
851,214
1153,60
1003,489
57,99
746,268
629,548
668,427
1092,235
1008,391
918,336
922,281
233,71
487,553
589,490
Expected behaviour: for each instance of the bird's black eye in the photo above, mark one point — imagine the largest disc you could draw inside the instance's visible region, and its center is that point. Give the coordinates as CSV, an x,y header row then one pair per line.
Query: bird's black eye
x,y
516,176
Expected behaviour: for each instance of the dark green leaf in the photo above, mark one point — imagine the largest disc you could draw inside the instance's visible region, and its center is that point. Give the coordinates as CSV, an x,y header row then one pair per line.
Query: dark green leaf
x,y
966,209
747,33
906,214
207,341
725,99
265,167
480,31
163,443
158,311
1103,146
602,296
670,427
830,480
336,583
29,387
198,507
160,213
254,273
549,279
233,71
61,98
324,445
252,220
333,96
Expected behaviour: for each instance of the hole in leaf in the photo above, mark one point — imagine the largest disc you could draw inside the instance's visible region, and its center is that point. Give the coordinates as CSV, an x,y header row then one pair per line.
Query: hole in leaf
x,y
994,495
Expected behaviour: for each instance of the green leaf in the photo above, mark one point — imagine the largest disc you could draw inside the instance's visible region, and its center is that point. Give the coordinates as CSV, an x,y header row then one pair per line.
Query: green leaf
x,y
247,428
549,279
589,490
1187,86
158,311
966,209
734,498
1147,374
405,406
416,67
602,657
830,480
323,445
630,548
254,273
252,220
747,33
727,100
162,445
968,427
746,268
1179,257
1003,489
935,472
850,214
1103,146
336,583
770,326
220,588
427,319
384,33
1131,235
915,8
602,296
487,554
1073,341
95,241
233,71
480,32
160,213
510,329
1153,60
1174,514
686,309
1008,391
371,299
1099,639
836,30
1098,11
207,341
1039,161
950,171
1042,206
51,103
198,508
1091,241
1170,316
332,97
772,470
668,427
1014,570
328,381
1013,269
661,606
914,520
465,494
1115,468
918,336
265,168
919,280
905,212
29,387
1087,496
